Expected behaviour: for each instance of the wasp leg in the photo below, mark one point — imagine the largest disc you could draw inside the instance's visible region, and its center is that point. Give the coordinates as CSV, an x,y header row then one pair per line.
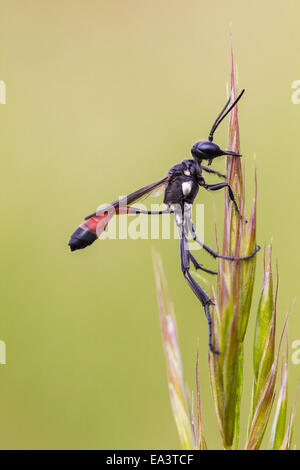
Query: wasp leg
x,y
214,172
199,266
185,257
134,210
212,252
216,187
187,221
206,302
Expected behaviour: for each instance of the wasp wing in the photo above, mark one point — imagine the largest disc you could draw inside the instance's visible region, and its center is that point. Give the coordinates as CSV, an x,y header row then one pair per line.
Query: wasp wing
x,y
152,189
94,224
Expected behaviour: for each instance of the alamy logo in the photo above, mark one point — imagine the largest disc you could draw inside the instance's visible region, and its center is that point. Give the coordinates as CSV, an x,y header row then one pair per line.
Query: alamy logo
x,y
2,352
296,94
296,352
145,228
2,92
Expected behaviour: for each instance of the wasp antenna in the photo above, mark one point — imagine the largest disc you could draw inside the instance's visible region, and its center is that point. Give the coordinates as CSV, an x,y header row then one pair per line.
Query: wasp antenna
x,y
222,116
210,137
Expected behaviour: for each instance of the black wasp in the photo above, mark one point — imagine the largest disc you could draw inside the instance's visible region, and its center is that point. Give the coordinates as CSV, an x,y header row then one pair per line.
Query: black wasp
x,y
181,185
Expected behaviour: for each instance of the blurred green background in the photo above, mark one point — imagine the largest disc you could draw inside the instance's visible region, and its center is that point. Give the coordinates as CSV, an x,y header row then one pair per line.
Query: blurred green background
x,y
102,98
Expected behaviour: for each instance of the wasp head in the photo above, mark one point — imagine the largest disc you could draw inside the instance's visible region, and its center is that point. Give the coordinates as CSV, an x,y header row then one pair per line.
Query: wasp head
x,y
207,150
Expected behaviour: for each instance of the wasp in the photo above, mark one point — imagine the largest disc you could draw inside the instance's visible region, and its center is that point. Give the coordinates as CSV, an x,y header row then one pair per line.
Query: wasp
x,y
181,186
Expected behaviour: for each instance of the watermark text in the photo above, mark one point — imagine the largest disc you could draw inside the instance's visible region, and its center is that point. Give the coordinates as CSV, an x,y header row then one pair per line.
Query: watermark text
x,y
2,92
2,352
